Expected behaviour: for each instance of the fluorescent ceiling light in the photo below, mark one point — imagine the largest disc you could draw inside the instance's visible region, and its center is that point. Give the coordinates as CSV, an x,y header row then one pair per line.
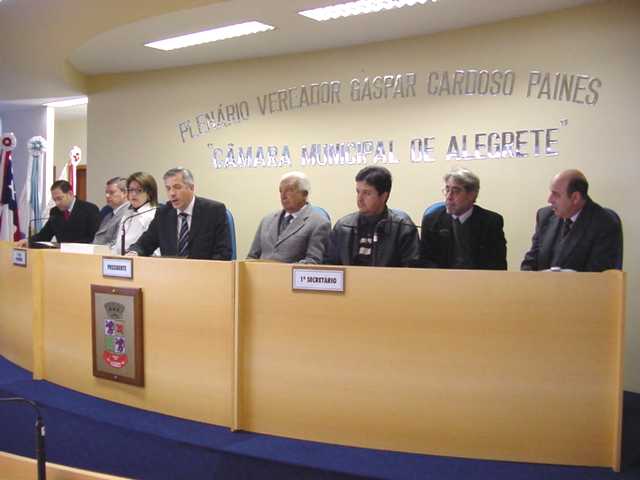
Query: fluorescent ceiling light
x,y
68,103
207,36
359,7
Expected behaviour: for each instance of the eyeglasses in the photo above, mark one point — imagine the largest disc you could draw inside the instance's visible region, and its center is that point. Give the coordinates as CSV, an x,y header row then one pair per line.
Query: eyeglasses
x,y
455,191
135,191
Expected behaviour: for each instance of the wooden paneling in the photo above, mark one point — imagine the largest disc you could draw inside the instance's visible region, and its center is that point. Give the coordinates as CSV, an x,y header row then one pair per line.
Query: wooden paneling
x,y
497,365
520,366
15,467
16,309
188,333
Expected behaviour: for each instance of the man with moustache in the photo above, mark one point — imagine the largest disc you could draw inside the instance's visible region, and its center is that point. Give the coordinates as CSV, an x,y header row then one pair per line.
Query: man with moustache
x,y
461,234
188,226
574,232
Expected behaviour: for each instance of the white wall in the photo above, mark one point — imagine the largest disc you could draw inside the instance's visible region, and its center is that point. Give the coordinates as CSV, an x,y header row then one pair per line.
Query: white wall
x,y
133,124
69,133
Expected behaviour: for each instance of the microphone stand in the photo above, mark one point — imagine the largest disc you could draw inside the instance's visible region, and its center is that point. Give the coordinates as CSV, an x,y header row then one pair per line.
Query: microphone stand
x,y
41,455
32,223
124,222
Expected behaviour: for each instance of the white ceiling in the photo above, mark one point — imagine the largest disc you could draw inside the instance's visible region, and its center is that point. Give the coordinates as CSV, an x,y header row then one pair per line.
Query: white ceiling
x,y
122,49
88,37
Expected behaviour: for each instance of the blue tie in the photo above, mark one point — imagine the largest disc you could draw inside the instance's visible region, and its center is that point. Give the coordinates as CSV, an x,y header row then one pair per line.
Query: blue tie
x,y
183,236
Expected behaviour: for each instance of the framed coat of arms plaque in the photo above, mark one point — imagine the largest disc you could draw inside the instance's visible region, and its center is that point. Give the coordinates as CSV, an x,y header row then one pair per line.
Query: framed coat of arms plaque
x,y
116,328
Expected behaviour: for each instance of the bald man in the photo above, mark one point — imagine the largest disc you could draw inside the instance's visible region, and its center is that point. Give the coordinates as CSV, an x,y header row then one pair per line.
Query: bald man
x,y
574,232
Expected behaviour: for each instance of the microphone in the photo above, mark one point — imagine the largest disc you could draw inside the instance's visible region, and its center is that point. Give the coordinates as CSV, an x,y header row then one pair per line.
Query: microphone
x,y
31,243
41,455
124,222
31,224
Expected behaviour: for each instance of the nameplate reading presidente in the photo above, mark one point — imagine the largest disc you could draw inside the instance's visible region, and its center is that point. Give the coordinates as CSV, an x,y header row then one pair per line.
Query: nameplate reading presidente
x,y
117,267
19,257
319,280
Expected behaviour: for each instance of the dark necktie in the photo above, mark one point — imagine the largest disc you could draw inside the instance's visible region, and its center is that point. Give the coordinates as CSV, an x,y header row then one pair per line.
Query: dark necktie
x,y
67,214
287,220
566,227
183,236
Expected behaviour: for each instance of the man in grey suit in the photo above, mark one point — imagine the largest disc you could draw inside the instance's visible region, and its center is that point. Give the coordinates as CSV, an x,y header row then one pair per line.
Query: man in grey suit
x,y
115,193
298,232
574,233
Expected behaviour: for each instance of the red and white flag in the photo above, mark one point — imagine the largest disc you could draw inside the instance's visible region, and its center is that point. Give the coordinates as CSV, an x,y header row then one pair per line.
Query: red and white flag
x,y
9,221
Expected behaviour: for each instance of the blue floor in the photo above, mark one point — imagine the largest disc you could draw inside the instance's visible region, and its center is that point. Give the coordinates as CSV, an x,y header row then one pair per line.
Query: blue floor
x,y
94,434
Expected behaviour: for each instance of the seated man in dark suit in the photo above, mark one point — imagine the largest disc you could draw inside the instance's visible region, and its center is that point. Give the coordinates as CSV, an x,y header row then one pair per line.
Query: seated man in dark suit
x,y
187,226
461,234
375,235
71,220
297,233
574,233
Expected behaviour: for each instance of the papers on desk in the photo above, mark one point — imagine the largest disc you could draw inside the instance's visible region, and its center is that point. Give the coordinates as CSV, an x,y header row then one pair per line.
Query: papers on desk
x,y
44,245
85,248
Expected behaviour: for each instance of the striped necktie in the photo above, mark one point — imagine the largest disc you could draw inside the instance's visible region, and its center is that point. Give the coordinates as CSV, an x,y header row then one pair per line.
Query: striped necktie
x,y
183,236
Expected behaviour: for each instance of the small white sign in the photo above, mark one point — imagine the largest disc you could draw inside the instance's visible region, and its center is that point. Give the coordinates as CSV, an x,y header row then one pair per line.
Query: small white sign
x,y
318,280
19,257
117,267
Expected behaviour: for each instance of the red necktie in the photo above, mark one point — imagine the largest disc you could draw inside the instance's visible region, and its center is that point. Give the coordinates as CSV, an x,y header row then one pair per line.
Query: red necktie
x,y
67,214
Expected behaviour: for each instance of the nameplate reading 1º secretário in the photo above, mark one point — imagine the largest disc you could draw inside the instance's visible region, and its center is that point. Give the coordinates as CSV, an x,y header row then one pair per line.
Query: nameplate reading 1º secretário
x,y
19,257
117,267
318,280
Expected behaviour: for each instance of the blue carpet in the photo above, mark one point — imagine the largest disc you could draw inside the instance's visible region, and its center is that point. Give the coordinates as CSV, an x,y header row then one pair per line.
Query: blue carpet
x,y
94,434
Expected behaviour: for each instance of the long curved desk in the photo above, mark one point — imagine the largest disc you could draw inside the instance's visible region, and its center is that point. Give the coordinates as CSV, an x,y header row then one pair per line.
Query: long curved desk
x,y
497,365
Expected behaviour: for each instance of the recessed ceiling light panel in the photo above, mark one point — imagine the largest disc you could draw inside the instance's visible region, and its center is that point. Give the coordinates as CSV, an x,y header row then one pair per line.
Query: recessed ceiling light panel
x,y
213,35
359,7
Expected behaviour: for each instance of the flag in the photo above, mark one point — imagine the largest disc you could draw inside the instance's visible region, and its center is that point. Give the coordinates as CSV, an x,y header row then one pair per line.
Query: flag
x,y
9,224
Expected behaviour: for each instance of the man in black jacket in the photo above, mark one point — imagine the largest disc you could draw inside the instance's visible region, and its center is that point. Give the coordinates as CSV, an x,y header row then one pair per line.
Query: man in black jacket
x,y
460,234
574,233
375,235
71,220
187,226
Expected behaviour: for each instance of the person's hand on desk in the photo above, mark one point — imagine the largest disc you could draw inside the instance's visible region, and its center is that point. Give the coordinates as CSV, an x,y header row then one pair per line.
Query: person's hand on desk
x,y
22,243
131,253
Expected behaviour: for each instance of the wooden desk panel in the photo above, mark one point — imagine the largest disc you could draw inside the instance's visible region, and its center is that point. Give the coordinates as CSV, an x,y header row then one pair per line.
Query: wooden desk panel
x,y
188,333
496,365
16,308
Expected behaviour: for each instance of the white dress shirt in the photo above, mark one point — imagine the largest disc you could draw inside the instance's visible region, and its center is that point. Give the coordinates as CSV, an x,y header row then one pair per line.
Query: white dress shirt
x,y
134,227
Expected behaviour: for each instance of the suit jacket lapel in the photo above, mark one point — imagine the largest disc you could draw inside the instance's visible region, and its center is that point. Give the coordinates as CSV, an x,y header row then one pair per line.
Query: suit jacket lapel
x,y
578,230
549,242
447,240
196,221
172,234
294,226
273,228
476,231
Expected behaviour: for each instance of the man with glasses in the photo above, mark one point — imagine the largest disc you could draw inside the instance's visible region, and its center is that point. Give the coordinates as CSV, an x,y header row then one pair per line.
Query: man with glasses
x,y
461,234
115,193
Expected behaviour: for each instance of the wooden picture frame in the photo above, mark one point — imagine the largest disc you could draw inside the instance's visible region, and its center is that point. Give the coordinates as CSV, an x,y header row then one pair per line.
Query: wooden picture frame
x,y
117,334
